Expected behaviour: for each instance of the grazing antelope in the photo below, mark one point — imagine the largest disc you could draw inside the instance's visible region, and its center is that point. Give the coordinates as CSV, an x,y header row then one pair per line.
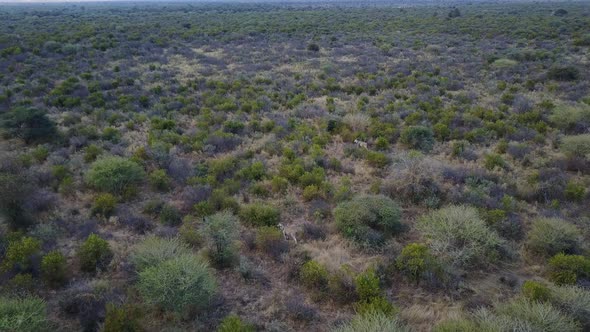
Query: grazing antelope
x,y
361,143
287,234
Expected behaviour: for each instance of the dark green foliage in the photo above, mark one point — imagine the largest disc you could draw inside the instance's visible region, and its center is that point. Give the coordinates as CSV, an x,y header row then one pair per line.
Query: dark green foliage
x,y
563,73
94,254
568,269
104,205
178,285
169,215
535,291
159,180
415,260
54,268
29,124
233,323
259,214
114,174
220,232
124,318
368,219
21,255
13,196
418,137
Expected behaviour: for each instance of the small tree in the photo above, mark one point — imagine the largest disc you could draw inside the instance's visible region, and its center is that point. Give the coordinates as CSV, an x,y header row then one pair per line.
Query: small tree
x,y
95,253
220,232
178,284
114,174
29,124
54,268
418,137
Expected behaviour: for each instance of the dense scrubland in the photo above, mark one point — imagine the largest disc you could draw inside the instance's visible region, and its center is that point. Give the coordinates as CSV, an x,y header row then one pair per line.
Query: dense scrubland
x,y
295,167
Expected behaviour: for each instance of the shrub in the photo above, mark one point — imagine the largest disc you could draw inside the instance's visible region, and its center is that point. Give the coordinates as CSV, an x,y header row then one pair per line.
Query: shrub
x,y
575,191
568,269
373,322
525,315
313,47
270,240
535,291
121,319
220,232
367,286
234,323
29,124
178,284
95,253
259,214
456,325
91,153
569,118
104,204
563,73
573,300
114,174
155,250
23,314
169,215
314,276
54,268
414,260
21,255
459,236
549,236
375,304
159,180
15,192
576,145
377,159
492,161
366,219
418,137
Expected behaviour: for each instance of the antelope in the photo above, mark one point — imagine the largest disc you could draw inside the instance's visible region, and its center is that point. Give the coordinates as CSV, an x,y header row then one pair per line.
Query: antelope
x,y
287,234
361,143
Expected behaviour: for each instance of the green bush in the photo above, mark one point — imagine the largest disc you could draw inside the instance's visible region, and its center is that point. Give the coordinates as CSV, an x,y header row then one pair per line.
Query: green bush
x,y
367,219
91,152
414,260
169,215
375,304
95,253
104,204
573,300
492,161
179,284
54,268
20,255
267,237
16,190
220,232
23,314
535,291
456,325
373,322
568,269
566,117
575,191
460,237
367,286
563,73
29,124
155,250
576,145
159,180
234,323
314,276
549,236
121,319
259,214
418,137
377,159
114,174
525,315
